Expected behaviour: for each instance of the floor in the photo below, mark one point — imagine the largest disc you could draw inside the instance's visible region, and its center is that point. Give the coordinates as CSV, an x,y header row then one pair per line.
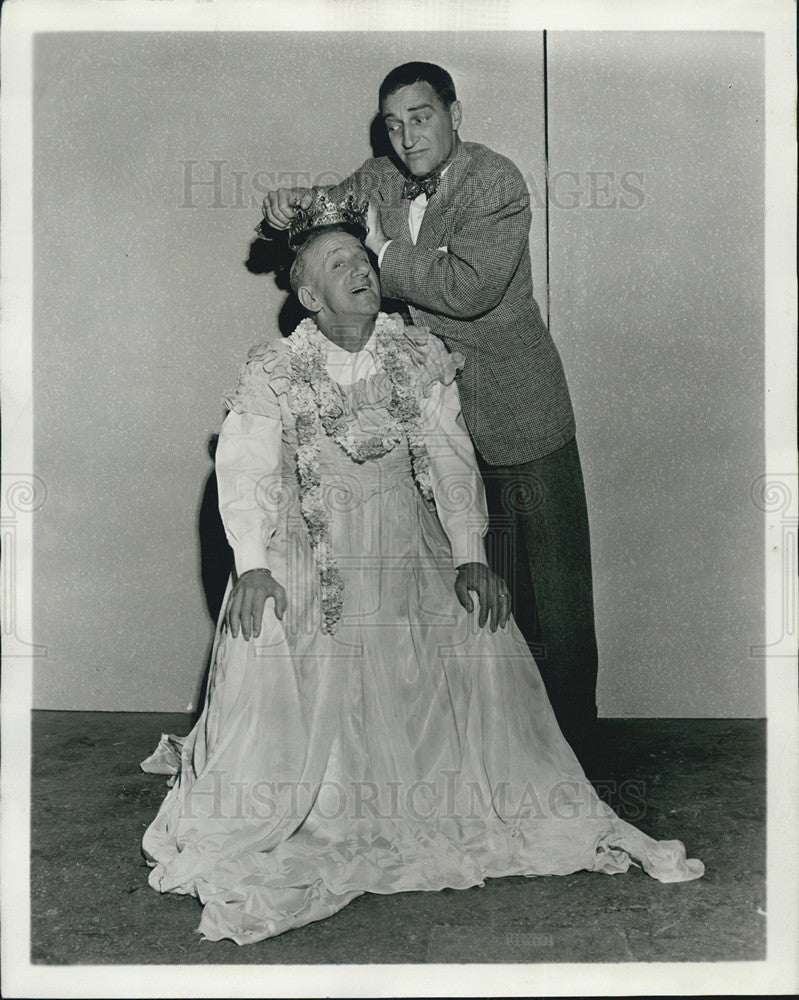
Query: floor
x,y
702,781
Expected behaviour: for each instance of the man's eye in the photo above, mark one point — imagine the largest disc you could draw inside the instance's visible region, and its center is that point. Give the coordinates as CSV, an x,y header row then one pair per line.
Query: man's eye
x,y
422,119
393,128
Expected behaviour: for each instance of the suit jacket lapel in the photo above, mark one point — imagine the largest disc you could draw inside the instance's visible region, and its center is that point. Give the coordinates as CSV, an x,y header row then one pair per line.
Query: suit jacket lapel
x,y
432,232
393,210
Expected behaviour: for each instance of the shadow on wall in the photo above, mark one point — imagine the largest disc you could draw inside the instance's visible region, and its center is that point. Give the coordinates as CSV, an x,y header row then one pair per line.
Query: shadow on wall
x,y
274,257
216,559
378,138
216,556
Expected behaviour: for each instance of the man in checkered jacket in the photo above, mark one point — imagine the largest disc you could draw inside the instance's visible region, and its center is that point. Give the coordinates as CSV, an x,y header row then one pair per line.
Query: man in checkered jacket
x,y
449,223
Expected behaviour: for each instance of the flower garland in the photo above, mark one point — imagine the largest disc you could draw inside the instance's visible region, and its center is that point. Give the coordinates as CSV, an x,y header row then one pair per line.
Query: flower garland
x,y
316,402
404,406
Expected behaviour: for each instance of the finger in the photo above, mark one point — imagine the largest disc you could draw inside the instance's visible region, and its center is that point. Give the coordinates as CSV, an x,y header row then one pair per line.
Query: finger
x,y
504,609
462,593
285,215
270,211
233,613
284,202
506,617
274,222
258,602
500,603
280,603
280,219
269,215
279,209
483,607
495,608
290,199
246,616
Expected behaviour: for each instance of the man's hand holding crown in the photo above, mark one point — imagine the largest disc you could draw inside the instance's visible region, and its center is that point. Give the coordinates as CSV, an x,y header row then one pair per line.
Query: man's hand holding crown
x,y
281,205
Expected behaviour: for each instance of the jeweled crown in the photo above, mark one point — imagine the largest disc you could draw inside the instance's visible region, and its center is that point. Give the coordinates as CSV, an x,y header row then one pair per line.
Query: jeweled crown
x,y
323,212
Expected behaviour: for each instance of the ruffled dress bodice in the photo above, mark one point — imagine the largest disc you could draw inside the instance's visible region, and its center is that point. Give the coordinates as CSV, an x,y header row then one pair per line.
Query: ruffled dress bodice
x,y
364,388
362,393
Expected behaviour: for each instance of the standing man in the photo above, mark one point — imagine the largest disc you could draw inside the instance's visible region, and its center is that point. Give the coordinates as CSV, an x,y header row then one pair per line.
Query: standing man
x,y
450,223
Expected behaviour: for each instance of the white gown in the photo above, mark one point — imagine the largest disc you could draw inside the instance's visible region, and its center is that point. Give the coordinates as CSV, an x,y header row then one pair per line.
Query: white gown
x,y
412,750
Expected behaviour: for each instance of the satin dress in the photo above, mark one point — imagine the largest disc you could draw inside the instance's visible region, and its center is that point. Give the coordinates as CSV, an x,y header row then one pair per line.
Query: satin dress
x,y
411,750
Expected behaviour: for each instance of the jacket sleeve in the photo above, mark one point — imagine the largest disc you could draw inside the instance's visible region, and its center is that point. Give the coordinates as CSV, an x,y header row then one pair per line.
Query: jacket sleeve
x,y
363,183
485,243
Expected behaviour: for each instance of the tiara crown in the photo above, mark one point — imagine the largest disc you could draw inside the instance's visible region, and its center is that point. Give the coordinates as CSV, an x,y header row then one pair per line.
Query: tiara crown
x,y
324,212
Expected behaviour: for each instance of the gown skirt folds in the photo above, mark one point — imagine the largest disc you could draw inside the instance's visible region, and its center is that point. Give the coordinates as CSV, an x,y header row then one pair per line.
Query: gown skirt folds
x,y
410,750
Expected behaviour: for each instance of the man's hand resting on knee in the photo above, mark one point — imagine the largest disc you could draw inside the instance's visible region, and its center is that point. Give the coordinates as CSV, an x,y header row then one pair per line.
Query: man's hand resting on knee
x,y
245,608
491,590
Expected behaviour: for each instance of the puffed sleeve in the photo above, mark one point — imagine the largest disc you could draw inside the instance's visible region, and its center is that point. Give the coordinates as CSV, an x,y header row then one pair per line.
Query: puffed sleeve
x,y
249,459
457,485
248,473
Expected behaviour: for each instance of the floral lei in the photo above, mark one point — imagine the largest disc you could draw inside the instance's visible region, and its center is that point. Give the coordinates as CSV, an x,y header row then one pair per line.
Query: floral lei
x,y
317,407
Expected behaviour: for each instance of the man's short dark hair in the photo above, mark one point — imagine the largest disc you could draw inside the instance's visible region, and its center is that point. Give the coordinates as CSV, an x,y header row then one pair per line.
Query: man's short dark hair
x,y
419,72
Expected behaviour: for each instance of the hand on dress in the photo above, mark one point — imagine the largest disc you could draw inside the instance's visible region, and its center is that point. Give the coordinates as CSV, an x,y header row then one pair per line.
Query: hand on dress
x,y
375,238
245,608
490,589
281,204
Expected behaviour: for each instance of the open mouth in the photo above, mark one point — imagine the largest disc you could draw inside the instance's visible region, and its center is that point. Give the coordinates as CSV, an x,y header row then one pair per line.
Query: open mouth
x,y
359,289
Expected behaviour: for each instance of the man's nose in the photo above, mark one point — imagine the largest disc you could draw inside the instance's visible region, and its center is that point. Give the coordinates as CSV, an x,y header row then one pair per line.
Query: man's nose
x,y
409,136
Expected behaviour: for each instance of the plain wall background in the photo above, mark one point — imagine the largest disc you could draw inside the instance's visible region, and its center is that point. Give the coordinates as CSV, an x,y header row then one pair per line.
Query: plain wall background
x,y
144,311
659,314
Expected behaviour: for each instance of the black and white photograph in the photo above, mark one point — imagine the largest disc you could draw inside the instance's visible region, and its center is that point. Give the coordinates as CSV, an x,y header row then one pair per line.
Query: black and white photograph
x,y
399,498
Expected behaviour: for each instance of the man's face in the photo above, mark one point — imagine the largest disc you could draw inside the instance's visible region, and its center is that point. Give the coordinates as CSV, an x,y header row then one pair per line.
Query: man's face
x,y
420,128
340,277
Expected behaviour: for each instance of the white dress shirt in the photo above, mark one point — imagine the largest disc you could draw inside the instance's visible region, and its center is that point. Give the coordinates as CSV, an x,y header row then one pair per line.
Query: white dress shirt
x,y
416,212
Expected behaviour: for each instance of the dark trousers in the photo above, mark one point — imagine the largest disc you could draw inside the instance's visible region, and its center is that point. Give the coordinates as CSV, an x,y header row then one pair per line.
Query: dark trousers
x,y
538,541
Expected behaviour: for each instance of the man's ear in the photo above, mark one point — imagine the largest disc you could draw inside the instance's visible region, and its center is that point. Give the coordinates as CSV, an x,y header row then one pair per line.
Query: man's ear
x,y
456,111
308,300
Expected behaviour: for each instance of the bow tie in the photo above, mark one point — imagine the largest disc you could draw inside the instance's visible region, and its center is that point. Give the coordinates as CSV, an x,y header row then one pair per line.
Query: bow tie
x,y
413,187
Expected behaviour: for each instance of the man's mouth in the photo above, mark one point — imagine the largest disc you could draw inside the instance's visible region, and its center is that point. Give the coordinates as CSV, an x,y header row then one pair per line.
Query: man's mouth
x,y
361,288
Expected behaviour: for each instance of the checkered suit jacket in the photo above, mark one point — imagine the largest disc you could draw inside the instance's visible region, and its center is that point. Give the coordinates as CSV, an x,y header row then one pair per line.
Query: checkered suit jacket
x,y
468,279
